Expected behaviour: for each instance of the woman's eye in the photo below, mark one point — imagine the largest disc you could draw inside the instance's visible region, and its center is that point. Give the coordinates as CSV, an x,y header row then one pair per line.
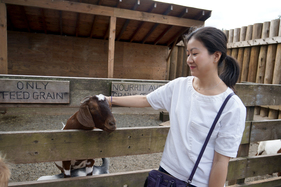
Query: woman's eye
x,y
194,54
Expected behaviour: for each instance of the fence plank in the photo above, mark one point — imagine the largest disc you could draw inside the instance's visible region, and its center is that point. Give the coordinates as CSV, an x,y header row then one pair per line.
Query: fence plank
x,y
254,58
47,146
262,54
248,167
261,183
135,178
238,168
271,52
255,94
265,130
246,57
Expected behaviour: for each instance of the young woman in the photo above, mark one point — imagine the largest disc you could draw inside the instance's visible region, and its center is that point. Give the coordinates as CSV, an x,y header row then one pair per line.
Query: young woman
x,y
192,103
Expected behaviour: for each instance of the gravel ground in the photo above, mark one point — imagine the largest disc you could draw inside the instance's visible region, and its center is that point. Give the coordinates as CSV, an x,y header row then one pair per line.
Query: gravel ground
x,y
50,119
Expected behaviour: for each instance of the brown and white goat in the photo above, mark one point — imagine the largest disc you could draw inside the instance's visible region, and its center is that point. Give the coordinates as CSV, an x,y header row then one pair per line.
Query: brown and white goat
x,y
94,112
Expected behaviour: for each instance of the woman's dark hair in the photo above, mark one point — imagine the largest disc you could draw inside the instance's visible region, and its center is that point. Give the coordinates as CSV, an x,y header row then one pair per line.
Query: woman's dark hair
x,y
215,40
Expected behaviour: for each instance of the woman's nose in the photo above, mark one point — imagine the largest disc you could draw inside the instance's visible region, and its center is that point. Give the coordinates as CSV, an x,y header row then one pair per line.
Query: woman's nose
x,y
189,59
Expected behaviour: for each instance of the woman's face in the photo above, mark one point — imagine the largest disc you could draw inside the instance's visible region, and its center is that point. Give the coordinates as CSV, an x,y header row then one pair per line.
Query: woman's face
x,y
199,60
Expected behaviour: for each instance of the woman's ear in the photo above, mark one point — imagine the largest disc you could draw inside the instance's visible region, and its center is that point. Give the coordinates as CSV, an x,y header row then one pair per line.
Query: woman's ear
x,y
217,56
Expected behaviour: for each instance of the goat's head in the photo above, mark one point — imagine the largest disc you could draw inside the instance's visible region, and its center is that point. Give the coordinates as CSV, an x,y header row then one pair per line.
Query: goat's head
x,y
95,112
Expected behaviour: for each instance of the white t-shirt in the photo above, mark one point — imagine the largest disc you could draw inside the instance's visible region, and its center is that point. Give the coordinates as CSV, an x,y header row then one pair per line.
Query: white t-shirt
x,y
191,116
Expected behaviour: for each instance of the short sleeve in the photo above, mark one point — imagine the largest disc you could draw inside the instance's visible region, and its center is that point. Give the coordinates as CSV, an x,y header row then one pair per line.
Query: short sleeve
x,y
161,98
232,128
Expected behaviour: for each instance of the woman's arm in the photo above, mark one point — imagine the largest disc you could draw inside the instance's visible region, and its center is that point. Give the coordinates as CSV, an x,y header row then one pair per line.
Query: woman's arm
x,y
219,170
129,101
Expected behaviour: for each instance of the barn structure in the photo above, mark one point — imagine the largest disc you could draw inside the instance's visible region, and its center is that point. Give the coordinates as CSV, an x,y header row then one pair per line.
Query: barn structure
x,y
92,38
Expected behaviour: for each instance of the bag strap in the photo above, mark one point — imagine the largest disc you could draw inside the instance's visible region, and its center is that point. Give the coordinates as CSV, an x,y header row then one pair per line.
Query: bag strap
x,y
208,138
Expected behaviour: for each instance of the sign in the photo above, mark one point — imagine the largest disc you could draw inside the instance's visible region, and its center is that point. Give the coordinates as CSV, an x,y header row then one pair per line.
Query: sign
x,y
33,91
133,88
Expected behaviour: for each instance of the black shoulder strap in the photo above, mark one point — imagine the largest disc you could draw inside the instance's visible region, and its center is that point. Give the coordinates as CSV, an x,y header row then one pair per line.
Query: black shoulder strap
x,y
208,138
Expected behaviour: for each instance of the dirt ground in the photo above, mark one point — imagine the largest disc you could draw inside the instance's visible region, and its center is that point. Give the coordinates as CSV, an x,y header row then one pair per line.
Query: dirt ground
x,y
31,119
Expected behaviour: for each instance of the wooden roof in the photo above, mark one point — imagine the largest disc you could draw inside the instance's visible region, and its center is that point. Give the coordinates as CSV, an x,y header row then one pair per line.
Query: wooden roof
x,y
139,21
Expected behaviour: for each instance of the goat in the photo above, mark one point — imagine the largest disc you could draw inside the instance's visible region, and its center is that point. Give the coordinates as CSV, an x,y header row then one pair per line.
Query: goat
x,y
94,112
269,148
5,172
98,170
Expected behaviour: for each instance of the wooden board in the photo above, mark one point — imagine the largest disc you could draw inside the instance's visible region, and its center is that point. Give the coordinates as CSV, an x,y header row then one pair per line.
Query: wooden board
x,y
3,39
48,146
248,167
133,88
265,130
124,179
238,168
34,91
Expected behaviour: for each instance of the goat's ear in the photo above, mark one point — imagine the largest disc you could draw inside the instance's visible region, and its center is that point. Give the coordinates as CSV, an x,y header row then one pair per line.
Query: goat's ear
x,y
84,116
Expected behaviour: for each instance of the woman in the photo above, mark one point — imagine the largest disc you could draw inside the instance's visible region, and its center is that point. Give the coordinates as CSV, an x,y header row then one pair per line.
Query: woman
x,y
192,103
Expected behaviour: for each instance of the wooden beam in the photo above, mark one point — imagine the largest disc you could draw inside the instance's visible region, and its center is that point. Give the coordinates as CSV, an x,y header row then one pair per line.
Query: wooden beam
x,y
169,9
60,18
249,167
77,24
177,36
140,25
94,21
12,27
183,13
92,28
106,33
3,39
124,179
43,20
126,22
106,11
48,146
111,46
25,18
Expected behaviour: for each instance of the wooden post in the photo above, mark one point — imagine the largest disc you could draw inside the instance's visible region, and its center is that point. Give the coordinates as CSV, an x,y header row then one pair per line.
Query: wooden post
x,y
277,66
180,61
173,63
241,50
111,46
246,55
257,30
236,37
230,40
3,40
271,53
264,111
273,113
185,71
262,56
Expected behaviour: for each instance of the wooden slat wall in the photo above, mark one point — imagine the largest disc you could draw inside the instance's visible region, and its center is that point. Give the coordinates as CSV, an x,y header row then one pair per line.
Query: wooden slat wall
x,y
51,55
261,61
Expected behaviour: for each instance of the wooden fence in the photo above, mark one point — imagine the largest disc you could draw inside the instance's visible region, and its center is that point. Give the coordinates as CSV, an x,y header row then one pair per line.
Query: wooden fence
x,y
48,146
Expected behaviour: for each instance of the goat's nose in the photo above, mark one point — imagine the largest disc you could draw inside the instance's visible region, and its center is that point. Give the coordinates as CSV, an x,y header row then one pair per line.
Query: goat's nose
x,y
112,123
